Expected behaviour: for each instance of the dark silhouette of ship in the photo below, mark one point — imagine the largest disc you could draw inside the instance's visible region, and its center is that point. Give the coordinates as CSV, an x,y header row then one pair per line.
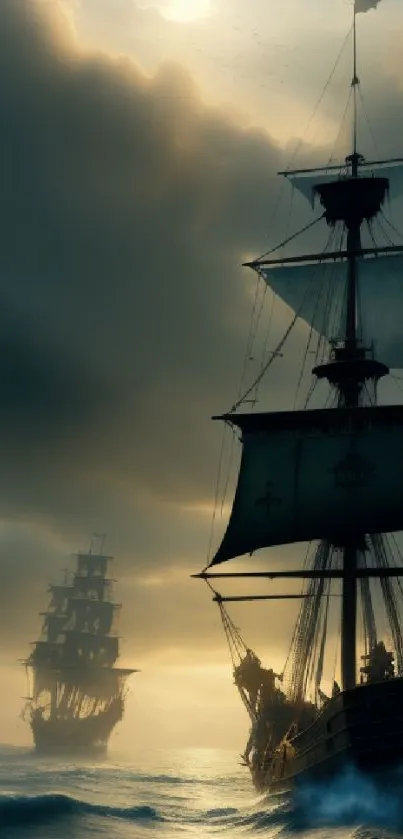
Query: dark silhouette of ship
x,y
331,477
77,694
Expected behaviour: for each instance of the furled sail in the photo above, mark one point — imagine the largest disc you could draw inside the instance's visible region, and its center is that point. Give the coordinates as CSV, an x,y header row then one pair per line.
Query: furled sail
x,y
59,597
94,616
44,679
93,565
317,293
53,626
93,682
310,474
91,587
81,647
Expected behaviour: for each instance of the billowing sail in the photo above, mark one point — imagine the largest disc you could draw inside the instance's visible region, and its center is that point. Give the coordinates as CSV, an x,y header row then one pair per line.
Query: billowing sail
x,y
306,183
317,293
314,475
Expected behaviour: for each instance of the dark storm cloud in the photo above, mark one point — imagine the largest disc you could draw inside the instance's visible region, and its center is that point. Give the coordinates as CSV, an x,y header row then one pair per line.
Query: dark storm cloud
x,y
23,550
126,206
123,204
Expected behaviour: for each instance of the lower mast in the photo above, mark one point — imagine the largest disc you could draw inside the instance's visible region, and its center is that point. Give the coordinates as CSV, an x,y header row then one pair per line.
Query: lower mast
x,y
350,397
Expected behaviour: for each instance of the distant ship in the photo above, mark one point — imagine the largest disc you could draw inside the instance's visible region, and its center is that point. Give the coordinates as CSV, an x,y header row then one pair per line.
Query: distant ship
x,y
77,694
333,478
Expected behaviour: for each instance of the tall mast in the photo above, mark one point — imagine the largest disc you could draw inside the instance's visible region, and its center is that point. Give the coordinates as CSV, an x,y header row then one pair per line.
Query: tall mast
x,y
355,83
351,201
351,399
353,234
260,509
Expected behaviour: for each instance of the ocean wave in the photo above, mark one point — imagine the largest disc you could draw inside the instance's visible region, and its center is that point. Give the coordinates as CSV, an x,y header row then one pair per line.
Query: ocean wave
x,y
351,799
260,816
166,779
34,810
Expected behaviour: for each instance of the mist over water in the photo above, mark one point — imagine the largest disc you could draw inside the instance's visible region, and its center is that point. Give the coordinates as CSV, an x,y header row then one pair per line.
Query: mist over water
x,y
187,793
352,799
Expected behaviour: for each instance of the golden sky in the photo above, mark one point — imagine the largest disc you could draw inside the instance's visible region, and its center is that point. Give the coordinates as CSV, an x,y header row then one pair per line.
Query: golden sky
x,y
139,146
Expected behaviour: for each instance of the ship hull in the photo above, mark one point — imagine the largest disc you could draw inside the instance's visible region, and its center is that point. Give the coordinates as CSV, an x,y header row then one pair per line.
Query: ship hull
x,y
360,728
86,736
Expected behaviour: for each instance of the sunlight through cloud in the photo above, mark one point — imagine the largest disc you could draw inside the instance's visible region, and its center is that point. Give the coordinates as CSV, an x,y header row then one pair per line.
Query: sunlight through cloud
x,y
188,11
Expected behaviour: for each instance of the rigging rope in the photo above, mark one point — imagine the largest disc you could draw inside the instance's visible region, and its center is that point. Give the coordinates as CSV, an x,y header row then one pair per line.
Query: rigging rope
x,y
217,490
264,350
270,361
313,328
370,129
322,95
291,647
308,622
370,633
276,352
321,658
236,645
336,652
305,130
382,561
343,119
391,225
289,239
266,366
252,332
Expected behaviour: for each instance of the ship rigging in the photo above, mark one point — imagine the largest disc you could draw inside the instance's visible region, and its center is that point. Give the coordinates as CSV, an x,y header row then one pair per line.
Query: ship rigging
x,y
331,477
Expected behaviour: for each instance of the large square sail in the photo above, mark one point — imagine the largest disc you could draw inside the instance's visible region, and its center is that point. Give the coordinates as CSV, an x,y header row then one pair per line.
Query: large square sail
x,y
308,475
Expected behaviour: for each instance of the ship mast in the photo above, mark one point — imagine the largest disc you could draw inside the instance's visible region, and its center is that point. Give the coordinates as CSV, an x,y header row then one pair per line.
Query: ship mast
x,y
350,552
349,201
327,475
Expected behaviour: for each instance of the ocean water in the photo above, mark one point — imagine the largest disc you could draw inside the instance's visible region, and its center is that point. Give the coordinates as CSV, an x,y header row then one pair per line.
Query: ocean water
x,y
187,794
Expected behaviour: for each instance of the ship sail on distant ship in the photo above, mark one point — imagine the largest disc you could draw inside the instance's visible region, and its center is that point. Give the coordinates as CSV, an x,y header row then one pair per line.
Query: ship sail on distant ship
x,y
77,693
331,477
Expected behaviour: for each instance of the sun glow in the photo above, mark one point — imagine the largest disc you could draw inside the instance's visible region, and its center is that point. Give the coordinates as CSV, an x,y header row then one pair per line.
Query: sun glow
x,y
188,11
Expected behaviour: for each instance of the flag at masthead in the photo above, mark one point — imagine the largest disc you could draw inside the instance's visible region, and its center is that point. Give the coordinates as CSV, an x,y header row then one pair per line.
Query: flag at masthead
x,y
361,6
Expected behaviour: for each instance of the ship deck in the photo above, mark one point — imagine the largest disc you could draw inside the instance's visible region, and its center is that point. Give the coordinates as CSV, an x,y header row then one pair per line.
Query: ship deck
x,y
362,727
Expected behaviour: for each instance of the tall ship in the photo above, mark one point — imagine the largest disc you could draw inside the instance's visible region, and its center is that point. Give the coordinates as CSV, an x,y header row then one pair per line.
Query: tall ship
x,y
329,480
77,693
